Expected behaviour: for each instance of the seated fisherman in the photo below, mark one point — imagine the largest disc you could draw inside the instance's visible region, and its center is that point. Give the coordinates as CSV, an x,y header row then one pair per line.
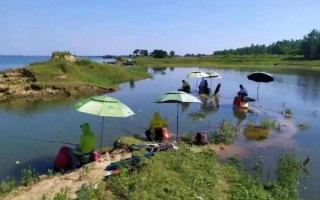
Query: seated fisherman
x,y
185,86
155,127
242,93
68,158
86,145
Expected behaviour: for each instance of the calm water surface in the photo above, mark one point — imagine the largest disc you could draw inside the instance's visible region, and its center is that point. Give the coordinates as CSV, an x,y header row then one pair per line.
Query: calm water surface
x,y
22,121
7,62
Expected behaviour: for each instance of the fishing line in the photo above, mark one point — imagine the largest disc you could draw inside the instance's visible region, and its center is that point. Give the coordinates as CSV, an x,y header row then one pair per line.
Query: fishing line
x,y
129,123
44,140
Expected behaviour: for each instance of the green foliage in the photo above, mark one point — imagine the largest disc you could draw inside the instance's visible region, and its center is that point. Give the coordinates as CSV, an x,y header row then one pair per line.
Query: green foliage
x,y
302,126
83,62
7,186
83,72
224,134
62,195
244,188
60,54
267,124
172,53
140,52
51,173
235,161
188,137
240,62
289,170
92,191
158,53
311,45
29,176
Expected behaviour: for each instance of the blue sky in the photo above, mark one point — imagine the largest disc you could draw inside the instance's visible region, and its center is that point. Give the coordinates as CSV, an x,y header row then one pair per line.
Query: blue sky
x,y
99,27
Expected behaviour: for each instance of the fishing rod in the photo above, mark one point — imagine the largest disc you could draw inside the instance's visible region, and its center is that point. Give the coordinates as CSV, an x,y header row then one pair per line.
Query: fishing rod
x,y
259,109
136,125
135,135
43,140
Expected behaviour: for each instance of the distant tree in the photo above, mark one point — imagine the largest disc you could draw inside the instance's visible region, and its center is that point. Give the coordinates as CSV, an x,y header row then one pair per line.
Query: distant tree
x,y
158,53
172,53
135,52
143,52
311,45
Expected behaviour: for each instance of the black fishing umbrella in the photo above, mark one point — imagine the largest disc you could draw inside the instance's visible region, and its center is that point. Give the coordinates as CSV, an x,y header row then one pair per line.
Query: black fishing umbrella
x,y
260,77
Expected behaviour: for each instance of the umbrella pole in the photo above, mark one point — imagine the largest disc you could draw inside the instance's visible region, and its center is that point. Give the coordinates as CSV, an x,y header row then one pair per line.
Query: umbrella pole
x,y
101,133
177,121
258,91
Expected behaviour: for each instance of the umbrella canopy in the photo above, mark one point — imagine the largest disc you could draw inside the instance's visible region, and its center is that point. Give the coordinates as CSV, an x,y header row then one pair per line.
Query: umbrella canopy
x,y
260,77
213,74
197,74
103,106
177,97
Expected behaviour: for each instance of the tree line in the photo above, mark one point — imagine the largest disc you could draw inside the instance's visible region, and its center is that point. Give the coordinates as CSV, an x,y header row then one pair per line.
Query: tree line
x,y
309,47
157,53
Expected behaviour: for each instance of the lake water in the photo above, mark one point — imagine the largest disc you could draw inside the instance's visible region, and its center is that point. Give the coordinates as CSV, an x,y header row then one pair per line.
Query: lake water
x,y
22,122
7,62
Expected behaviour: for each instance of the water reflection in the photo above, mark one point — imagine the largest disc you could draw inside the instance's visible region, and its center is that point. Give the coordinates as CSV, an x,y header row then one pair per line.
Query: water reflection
x,y
131,83
159,70
306,85
21,106
241,115
210,105
184,106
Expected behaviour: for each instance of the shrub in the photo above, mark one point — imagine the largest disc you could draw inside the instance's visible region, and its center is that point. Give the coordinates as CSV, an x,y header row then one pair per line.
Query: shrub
x,y
7,186
28,176
224,134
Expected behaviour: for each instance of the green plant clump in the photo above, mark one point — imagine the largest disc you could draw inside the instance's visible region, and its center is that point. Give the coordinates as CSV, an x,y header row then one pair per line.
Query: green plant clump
x,y
28,176
7,186
267,124
289,170
224,134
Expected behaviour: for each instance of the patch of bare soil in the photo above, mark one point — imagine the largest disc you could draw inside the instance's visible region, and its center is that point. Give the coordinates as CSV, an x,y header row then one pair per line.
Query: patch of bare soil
x,y
91,173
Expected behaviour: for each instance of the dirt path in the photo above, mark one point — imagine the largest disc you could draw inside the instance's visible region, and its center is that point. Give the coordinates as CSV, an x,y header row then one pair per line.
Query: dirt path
x,y
90,173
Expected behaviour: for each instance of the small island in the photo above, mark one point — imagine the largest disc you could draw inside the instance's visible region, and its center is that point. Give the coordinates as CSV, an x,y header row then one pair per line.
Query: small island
x,y
64,75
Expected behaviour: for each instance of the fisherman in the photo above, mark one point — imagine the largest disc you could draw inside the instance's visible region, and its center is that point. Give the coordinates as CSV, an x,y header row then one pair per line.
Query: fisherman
x,y
68,158
185,87
86,144
217,90
202,86
242,93
155,127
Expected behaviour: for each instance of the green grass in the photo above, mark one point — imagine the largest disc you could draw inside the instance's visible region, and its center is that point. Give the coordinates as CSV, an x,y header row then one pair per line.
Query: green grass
x,y
66,73
189,174
272,63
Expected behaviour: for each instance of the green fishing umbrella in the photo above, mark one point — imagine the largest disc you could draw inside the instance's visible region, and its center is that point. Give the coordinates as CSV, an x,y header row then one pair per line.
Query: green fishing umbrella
x,y
197,74
103,106
177,97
